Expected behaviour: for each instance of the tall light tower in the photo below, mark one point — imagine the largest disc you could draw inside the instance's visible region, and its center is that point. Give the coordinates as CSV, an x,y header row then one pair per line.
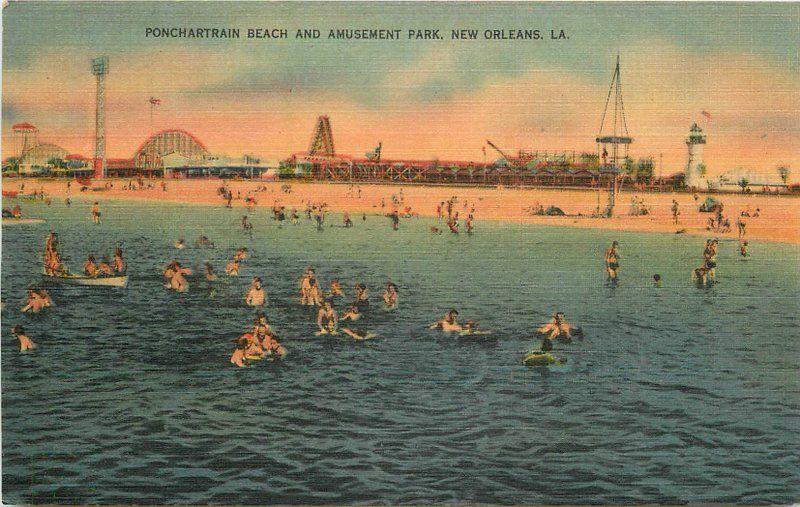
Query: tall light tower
x,y
100,69
694,176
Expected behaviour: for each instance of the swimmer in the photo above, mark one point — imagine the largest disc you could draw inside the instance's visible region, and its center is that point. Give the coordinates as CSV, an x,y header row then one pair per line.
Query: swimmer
x,y
37,301
352,313
180,245
90,268
268,339
346,219
232,268
252,347
557,326
25,343
305,285
362,295
390,296
657,280
209,272
743,249
314,294
612,261
448,323
237,357
327,320
119,263
699,276
241,254
336,289
204,241
256,295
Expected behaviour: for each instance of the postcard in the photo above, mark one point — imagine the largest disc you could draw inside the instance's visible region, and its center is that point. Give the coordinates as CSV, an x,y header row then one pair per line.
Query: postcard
x,y
337,253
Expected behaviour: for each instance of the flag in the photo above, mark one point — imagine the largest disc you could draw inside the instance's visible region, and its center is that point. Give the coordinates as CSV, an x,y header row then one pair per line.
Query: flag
x,y
154,101
706,114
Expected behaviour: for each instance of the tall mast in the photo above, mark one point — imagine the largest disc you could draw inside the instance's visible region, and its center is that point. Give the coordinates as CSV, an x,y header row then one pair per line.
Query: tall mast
x,y
619,136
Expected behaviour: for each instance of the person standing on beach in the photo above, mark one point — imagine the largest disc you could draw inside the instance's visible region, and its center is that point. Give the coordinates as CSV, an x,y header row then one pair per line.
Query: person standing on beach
x,y
741,225
675,212
612,262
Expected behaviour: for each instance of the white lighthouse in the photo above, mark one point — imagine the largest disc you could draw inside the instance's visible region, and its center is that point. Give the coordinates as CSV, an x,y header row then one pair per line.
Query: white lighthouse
x,y
695,169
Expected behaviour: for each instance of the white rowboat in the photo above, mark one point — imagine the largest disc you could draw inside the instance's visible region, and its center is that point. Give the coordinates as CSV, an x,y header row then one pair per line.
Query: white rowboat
x,y
22,221
107,281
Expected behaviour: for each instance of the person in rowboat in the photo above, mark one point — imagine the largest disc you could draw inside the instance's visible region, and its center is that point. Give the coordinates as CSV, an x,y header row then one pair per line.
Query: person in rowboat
x,y
104,268
90,268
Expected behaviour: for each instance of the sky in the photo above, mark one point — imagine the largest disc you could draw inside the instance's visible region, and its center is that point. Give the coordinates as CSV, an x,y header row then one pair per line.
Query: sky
x,y
422,99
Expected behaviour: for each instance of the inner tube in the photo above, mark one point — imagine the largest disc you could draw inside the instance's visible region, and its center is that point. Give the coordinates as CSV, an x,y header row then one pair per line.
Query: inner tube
x,y
538,358
253,357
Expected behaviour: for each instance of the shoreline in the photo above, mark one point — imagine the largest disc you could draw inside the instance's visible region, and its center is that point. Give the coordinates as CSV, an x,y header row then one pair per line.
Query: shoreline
x,y
779,220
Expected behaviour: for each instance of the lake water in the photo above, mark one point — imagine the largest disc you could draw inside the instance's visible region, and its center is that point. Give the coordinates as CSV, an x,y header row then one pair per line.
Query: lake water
x,y
677,394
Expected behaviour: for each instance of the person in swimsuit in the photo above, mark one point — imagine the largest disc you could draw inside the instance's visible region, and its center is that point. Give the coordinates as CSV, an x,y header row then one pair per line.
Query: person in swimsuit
x,y
96,212
90,268
238,356
352,313
336,289
743,249
241,254
25,343
232,268
180,245
314,293
119,263
305,286
558,325
390,296
362,295
256,295
448,323
37,301
104,268
327,320
209,272
657,280
612,262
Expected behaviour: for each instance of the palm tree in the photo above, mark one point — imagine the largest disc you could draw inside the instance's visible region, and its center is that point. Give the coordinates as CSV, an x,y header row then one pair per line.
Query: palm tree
x,y
783,172
743,182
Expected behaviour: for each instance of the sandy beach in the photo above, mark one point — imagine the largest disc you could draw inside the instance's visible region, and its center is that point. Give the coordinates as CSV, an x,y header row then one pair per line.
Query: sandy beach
x,y
779,218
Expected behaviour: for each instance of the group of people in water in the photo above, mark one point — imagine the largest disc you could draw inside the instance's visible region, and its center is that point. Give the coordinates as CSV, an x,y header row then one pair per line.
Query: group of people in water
x,y
446,211
54,266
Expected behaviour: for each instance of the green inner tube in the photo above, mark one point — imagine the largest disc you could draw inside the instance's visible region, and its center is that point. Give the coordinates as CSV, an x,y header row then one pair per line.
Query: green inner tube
x,y
537,358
